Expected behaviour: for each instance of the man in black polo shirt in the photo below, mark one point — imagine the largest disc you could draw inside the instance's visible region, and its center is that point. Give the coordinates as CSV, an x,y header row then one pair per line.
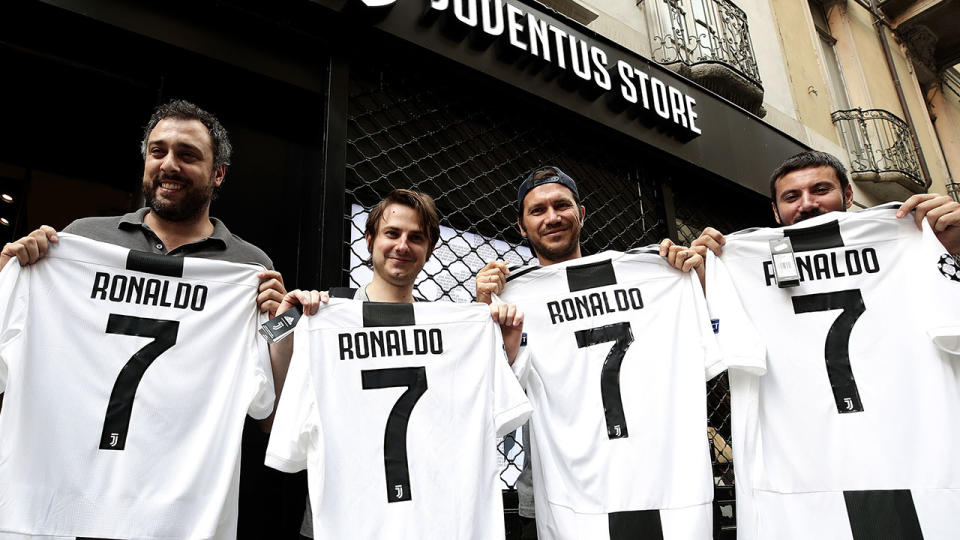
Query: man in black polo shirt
x,y
186,152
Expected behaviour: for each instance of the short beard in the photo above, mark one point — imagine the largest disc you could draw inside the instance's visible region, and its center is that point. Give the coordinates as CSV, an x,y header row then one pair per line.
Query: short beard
x,y
807,215
189,208
560,253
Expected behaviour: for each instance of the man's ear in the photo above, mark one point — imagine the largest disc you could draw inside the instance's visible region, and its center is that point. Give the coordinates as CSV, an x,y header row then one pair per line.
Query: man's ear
x,y
219,173
583,214
369,240
776,213
848,196
520,226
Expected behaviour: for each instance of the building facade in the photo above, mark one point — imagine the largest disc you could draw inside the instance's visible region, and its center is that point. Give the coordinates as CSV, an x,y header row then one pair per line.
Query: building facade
x,y
669,113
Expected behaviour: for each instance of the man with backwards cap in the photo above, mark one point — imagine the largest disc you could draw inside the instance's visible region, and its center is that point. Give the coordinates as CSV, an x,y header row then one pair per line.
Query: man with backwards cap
x,y
550,218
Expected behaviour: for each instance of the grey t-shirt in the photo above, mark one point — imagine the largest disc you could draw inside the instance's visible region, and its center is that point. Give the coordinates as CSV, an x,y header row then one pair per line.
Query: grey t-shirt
x,y
131,232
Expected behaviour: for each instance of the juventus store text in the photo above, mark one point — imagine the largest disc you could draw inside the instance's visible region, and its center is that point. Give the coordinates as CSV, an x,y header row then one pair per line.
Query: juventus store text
x,y
330,104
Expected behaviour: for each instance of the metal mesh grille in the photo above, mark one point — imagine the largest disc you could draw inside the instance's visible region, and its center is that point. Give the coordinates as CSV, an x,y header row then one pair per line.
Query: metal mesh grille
x,y
698,207
445,136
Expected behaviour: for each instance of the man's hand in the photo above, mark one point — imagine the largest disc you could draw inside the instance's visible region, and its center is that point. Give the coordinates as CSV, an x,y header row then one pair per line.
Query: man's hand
x,y
943,214
272,292
30,248
308,300
510,320
680,257
491,279
282,351
710,239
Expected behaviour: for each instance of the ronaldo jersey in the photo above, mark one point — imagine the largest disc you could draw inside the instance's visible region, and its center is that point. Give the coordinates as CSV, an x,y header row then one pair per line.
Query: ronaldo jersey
x,y
619,347
394,410
844,420
127,377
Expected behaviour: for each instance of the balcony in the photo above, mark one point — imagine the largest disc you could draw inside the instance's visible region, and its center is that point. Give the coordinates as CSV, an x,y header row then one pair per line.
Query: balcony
x,y
708,42
881,152
929,30
953,190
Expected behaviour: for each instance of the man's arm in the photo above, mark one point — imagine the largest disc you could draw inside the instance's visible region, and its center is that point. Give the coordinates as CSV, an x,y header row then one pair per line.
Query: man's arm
x,y
30,248
490,280
269,299
942,212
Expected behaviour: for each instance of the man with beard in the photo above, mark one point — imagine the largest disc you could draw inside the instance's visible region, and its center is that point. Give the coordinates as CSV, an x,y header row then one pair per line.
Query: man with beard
x,y
551,218
813,183
186,152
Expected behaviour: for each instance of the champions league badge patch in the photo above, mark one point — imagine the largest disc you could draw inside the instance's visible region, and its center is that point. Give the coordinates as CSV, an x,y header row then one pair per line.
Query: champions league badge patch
x,y
949,268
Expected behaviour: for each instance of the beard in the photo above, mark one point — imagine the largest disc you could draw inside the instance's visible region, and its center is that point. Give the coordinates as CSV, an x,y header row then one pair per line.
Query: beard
x,y
558,252
807,215
191,204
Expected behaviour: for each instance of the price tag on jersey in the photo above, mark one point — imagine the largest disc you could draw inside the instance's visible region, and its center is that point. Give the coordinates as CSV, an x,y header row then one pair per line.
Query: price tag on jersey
x,y
784,263
282,325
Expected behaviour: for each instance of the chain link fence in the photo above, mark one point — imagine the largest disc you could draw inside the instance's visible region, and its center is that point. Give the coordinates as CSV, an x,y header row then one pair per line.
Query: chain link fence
x,y
444,135
698,207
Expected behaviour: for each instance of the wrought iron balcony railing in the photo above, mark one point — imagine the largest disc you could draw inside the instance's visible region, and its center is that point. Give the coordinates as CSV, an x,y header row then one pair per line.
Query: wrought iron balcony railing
x,y
953,190
879,143
702,31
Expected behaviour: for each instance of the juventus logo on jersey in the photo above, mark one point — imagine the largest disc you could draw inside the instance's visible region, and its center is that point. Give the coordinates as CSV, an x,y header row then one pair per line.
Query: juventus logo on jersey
x,y
399,490
114,439
849,403
616,430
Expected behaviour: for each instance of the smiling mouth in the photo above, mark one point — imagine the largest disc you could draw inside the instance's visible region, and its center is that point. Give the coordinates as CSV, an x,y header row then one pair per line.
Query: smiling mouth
x,y
170,186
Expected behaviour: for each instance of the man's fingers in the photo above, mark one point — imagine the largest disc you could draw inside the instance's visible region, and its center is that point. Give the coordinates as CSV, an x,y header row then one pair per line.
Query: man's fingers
x,y
324,297
50,233
665,245
33,250
912,203
692,261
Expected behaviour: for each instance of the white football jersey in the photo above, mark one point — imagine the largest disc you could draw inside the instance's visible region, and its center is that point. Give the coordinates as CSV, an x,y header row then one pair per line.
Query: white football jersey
x,y
127,376
619,348
394,410
845,395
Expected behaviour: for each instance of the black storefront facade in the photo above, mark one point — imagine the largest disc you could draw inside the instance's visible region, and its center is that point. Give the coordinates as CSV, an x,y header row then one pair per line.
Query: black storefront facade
x,y
330,104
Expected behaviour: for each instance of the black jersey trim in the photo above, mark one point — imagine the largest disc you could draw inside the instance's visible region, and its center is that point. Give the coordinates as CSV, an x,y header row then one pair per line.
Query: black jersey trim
x,y
652,250
151,263
522,272
823,236
343,292
590,276
882,514
388,314
635,524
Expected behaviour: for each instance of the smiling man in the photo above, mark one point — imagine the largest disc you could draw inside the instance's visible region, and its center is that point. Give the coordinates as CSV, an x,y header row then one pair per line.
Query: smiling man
x,y
401,232
813,183
186,152
550,218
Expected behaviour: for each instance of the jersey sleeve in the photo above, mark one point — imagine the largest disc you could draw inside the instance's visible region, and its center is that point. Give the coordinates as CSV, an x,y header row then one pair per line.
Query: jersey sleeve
x,y
521,364
13,308
264,395
297,416
940,272
712,358
740,345
510,406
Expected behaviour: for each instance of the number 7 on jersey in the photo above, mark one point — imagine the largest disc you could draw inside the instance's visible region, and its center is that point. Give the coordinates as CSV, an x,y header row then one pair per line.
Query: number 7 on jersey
x,y
395,465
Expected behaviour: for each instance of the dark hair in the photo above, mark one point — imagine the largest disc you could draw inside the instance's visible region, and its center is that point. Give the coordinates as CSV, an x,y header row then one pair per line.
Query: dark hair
x,y
421,202
806,160
184,110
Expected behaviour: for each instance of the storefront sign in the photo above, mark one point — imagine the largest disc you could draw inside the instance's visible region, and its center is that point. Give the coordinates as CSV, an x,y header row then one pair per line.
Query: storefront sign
x,y
525,31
